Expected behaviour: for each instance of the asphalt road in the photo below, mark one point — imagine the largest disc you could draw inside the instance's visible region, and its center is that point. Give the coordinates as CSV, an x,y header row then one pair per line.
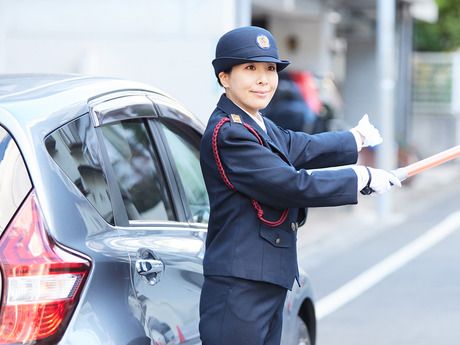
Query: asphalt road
x,y
401,285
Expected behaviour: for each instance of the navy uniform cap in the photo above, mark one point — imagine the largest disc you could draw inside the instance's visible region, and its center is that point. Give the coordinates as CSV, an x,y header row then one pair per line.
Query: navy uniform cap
x,y
246,44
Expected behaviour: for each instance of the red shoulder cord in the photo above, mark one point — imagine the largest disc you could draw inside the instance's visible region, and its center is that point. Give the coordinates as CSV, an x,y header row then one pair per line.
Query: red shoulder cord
x,y
255,203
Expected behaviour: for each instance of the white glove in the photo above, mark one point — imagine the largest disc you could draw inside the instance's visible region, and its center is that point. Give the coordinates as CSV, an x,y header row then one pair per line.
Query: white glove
x,y
369,134
378,180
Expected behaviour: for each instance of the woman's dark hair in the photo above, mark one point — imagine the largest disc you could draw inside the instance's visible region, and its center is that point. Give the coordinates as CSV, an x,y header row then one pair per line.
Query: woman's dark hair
x,y
227,71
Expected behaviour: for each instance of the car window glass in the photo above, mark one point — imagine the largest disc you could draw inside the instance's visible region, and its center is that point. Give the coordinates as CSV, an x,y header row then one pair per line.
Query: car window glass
x,y
184,146
14,180
75,149
138,172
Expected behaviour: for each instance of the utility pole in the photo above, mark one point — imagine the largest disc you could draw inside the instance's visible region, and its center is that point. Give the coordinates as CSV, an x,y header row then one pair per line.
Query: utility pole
x,y
386,152
243,12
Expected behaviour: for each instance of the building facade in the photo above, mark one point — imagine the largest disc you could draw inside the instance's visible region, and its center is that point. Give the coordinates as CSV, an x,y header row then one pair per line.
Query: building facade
x,y
170,44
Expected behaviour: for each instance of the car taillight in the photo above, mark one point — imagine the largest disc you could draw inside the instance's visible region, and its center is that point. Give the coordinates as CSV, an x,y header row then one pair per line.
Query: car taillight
x,y
41,282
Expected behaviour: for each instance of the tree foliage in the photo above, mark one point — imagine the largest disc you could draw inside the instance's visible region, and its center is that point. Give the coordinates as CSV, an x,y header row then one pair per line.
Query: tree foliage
x,y
444,35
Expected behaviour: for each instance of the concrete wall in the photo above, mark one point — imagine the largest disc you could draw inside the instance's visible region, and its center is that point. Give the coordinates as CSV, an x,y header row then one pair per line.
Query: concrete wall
x,y
169,44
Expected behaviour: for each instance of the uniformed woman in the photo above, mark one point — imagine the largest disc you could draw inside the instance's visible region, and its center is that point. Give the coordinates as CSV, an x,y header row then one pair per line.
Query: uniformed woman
x,y
259,188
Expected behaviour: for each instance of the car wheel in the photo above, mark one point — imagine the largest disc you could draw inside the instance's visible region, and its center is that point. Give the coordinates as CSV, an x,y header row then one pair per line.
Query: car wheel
x,y
303,337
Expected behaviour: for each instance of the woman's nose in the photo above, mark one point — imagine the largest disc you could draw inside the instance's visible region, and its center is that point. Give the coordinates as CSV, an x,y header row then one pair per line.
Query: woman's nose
x,y
262,79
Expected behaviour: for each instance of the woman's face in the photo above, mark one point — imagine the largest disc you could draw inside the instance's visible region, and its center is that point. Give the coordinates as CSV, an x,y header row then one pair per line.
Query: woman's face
x,y
251,85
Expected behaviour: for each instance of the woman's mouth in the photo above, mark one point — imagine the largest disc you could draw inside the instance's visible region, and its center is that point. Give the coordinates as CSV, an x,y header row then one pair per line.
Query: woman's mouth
x,y
261,93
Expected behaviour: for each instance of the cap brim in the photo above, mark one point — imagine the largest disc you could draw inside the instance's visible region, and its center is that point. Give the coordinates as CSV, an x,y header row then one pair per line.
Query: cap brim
x,y
226,63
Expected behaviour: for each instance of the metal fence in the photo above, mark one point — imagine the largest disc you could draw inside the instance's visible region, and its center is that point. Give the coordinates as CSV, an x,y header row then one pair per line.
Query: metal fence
x,y
435,121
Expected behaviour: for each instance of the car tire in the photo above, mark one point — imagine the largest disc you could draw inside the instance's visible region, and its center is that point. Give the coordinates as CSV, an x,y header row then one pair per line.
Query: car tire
x,y
303,335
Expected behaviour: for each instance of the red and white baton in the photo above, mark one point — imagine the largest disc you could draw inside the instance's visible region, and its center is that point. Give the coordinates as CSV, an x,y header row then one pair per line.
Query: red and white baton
x,y
427,163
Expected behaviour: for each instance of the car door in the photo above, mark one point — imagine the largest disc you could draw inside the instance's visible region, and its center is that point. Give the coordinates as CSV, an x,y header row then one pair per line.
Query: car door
x,y
164,249
182,140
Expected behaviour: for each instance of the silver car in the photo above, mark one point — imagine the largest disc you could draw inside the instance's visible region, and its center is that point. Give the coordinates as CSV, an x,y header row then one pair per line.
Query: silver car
x,y
103,215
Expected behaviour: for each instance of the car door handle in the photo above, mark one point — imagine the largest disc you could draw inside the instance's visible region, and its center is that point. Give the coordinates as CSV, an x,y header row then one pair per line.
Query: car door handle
x,y
149,266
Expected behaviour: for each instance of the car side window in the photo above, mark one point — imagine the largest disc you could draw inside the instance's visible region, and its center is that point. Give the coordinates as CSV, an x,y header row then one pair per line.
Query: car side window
x,y
14,180
75,149
184,146
138,171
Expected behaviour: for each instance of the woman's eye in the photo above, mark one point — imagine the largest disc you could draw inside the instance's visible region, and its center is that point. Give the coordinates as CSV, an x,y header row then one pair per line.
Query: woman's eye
x,y
272,68
251,67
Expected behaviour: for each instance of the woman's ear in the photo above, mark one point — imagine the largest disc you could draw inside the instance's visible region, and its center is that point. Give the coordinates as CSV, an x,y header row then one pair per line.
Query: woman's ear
x,y
223,77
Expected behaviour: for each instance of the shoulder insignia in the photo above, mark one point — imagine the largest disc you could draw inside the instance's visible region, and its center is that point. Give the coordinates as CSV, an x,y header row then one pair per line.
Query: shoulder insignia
x,y
236,118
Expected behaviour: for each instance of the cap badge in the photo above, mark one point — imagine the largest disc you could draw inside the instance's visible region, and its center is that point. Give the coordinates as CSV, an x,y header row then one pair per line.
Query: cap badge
x,y
236,118
263,42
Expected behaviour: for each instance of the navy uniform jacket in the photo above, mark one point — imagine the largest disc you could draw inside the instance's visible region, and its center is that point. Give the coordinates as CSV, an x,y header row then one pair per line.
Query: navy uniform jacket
x,y
238,244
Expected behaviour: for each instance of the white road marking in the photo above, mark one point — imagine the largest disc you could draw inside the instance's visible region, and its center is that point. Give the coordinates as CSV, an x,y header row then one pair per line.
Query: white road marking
x,y
395,261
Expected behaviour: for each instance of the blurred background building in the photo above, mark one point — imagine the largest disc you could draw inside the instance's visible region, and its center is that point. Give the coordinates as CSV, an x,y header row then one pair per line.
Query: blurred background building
x,y
170,44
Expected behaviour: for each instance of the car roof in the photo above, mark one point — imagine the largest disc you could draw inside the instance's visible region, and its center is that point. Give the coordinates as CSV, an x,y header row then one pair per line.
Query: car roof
x,y
20,87
11,84
44,102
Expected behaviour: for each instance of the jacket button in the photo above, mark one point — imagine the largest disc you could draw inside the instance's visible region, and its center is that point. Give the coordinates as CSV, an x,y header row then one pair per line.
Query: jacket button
x,y
294,226
278,240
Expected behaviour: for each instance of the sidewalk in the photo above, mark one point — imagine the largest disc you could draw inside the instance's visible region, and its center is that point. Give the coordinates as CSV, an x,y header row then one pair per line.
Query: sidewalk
x,y
333,229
